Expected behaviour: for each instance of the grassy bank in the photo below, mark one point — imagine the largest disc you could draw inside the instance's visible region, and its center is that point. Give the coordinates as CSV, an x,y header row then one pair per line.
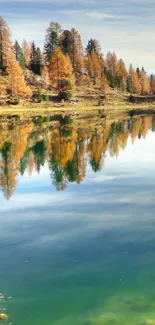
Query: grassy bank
x,y
87,101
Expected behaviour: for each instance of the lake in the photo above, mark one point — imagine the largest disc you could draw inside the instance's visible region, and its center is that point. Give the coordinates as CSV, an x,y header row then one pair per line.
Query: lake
x,y
77,221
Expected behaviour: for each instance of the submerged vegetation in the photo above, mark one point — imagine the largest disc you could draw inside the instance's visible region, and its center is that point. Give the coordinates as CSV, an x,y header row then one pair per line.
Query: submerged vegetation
x,y
63,68
138,310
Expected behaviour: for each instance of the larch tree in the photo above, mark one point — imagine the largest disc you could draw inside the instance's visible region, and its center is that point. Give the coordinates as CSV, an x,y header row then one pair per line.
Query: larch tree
x,y
110,67
121,75
133,83
52,40
94,67
3,86
76,51
27,53
61,71
144,82
152,83
71,45
17,84
5,45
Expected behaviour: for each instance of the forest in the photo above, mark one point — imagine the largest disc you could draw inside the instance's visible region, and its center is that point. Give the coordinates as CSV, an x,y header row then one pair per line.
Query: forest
x,y
63,65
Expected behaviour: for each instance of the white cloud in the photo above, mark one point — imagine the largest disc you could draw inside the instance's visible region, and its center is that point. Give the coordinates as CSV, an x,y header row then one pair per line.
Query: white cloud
x,y
99,15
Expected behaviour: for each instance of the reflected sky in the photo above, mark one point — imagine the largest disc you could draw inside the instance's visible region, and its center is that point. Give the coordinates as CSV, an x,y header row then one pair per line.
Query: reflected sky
x,y
77,256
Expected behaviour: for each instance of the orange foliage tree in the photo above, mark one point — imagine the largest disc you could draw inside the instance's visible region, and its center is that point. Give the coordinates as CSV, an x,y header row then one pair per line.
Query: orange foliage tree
x,y
5,45
17,84
60,70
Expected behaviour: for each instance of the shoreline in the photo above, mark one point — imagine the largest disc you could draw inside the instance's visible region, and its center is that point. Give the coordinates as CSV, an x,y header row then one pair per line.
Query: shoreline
x,y
103,111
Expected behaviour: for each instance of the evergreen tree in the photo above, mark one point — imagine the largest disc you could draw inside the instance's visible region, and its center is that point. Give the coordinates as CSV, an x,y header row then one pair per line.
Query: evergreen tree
x,y
19,55
93,45
66,42
138,71
35,59
52,40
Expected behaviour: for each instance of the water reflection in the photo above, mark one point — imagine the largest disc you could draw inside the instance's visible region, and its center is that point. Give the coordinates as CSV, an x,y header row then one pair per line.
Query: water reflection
x,y
84,255
64,145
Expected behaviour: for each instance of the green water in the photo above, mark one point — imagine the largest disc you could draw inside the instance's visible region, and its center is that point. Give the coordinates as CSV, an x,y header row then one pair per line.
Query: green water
x,y
77,222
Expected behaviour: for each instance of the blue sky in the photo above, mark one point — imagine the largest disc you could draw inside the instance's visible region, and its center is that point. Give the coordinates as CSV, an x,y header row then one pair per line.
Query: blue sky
x,y
125,26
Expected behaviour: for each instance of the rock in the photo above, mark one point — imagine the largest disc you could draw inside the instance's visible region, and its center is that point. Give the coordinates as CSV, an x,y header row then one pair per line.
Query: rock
x,y
3,316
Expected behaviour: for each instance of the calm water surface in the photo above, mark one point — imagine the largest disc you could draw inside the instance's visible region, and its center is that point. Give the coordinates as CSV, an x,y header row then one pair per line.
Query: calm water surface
x,y
77,221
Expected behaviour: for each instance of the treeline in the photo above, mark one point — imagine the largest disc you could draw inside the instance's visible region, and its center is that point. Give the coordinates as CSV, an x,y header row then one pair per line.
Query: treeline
x,y
63,63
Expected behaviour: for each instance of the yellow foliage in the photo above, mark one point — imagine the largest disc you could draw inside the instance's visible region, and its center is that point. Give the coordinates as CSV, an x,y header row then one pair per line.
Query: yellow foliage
x,y
3,85
60,69
17,82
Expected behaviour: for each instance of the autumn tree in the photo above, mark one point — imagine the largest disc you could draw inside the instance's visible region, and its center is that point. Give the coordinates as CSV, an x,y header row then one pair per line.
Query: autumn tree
x,y
19,55
35,59
26,52
71,45
144,82
61,71
110,68
133,83
76,51
5,45
94,66
52,40
121,74
16,79
152,83
3,86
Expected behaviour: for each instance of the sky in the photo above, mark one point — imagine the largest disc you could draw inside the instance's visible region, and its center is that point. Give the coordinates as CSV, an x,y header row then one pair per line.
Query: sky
x,y
123,26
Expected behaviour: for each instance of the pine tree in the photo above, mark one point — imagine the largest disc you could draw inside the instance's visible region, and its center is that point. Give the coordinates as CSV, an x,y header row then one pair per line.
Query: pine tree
x,y
5,45
93,45
66,42
35,59
52,40
19,55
